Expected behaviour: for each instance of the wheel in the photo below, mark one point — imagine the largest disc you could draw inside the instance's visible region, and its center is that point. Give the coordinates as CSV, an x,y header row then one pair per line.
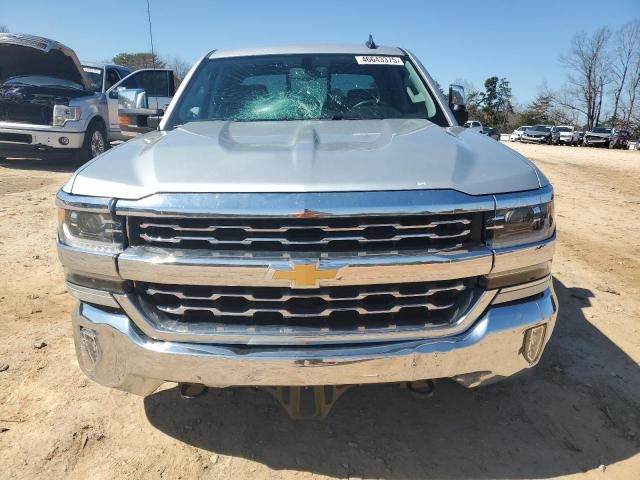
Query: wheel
x,y
95,142
611,145
549,141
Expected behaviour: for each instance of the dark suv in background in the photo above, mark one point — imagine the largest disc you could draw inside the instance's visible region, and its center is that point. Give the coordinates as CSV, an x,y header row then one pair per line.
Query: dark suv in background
x,y
620,139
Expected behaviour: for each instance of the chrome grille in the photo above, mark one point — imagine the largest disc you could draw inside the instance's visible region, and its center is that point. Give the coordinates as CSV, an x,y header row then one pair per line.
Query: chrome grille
x,y
323,309
334,234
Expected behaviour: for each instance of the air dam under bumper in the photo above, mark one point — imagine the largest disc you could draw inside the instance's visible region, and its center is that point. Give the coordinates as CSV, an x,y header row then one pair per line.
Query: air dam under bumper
x,y
490,350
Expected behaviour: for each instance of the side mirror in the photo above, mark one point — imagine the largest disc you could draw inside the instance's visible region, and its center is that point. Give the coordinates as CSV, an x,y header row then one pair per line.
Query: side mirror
x,y
114,92
132,98
457,104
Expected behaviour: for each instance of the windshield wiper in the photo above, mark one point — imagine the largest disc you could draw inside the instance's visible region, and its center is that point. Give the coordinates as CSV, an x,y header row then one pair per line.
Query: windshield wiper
x,y
342,116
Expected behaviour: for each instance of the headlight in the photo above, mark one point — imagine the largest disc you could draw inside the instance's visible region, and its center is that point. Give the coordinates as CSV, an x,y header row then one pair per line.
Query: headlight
x,y
520,225
98,232
62,113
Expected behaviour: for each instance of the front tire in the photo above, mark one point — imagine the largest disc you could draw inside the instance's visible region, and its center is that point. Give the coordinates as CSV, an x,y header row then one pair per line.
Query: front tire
x,y
95,142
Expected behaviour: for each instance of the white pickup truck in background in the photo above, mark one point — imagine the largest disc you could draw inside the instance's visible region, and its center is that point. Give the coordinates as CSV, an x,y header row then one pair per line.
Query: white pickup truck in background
x,y
52,105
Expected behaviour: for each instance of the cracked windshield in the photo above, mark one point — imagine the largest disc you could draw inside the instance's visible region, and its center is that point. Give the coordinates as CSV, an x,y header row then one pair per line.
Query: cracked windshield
x,y
306,87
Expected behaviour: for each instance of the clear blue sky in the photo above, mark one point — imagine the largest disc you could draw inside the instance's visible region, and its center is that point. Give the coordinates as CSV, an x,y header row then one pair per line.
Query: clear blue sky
x,y
470,39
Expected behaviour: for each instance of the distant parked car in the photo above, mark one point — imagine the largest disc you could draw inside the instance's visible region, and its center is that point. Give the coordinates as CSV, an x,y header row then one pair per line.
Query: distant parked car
x,y
564,135
474,125
491,132
537,134
620,139
517,133
597,137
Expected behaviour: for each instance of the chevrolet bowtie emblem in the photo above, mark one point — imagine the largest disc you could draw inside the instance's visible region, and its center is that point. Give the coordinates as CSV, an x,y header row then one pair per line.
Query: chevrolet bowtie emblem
x,y
304,275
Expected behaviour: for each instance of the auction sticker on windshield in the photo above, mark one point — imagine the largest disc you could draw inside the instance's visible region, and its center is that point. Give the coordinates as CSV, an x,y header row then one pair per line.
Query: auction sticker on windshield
x,y
371,60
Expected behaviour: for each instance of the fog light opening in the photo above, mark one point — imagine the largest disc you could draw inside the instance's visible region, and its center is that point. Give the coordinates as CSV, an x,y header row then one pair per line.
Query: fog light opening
x,y
90,349
63,141
533,341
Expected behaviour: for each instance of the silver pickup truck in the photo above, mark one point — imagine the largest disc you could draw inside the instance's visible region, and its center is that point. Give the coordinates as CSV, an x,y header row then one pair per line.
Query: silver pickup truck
x,y
52,105
308,216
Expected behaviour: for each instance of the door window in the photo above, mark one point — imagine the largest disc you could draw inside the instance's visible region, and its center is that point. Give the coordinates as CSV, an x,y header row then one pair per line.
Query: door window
x,y
155,83
112,78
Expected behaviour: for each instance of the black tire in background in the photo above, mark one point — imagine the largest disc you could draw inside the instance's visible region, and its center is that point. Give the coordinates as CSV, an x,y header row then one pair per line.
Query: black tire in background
x,y
95,141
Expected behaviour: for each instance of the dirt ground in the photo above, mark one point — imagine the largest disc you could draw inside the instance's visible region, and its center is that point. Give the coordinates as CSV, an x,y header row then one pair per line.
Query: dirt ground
x,y
577,415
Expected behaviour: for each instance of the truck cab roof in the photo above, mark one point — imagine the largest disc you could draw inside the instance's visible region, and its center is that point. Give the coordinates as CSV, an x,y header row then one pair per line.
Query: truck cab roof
x,y
358,49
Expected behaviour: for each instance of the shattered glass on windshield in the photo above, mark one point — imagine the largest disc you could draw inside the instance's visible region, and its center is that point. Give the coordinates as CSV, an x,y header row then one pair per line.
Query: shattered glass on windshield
x,y
305,87
303,100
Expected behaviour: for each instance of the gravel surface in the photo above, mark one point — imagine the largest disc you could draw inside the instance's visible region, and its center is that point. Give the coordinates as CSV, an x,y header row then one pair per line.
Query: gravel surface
x,y
577,415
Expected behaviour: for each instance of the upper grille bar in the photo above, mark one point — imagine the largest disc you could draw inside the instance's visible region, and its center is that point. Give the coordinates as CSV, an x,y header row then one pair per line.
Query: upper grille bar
x,y
284,241
250,229
283,234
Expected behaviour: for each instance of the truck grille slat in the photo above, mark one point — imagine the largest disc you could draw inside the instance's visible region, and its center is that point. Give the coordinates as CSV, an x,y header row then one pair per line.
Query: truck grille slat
x,y
284,241
323,309
281,296
182,309
284,234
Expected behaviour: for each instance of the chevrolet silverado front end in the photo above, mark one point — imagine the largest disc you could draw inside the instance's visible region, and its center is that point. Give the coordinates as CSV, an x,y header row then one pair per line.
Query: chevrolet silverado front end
x,y
308,216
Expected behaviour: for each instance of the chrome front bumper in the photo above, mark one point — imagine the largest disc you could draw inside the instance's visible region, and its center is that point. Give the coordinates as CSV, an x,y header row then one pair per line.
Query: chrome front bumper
x,y
114,352
43,137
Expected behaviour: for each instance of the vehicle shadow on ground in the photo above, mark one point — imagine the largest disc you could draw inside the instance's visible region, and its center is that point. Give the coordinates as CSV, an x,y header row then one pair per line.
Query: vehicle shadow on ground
x,y
573,413
62,164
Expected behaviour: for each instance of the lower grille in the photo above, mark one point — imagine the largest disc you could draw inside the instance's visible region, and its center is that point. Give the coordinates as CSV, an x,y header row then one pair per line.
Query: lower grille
x,y
290,311
15,137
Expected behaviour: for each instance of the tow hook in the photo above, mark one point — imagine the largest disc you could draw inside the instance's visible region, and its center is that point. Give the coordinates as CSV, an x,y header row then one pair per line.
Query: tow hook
x,y
308,403
422,388
192,390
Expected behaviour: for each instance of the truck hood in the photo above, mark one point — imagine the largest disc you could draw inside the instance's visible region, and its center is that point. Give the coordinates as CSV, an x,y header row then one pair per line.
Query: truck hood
x,y
22,55
306,156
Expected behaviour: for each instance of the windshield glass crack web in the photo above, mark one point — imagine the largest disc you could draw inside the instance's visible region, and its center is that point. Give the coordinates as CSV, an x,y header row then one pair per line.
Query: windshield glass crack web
x,y
306,87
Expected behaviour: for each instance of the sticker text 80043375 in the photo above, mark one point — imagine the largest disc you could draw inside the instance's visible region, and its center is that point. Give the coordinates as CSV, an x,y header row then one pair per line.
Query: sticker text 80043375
x,y
373,60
